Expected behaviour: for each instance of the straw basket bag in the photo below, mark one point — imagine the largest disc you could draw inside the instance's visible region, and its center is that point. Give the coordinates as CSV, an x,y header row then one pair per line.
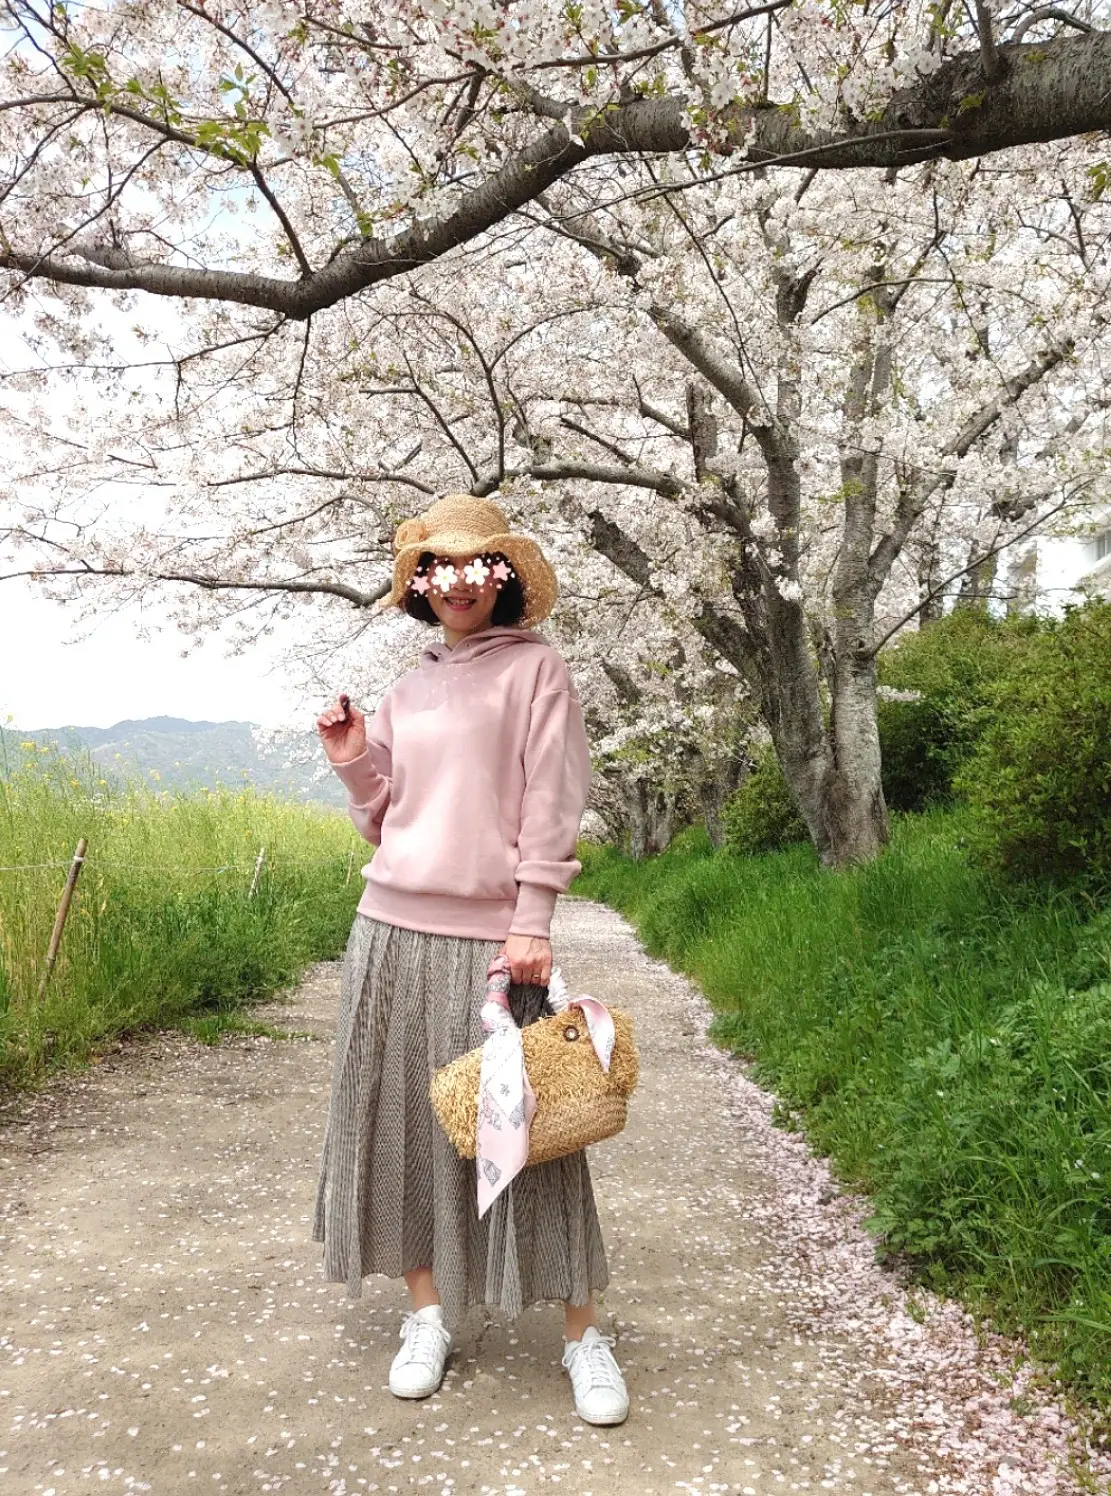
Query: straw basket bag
x,y
577,1102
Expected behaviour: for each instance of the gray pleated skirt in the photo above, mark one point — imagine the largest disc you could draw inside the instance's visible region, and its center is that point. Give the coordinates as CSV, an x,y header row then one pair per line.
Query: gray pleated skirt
x,y
393,1194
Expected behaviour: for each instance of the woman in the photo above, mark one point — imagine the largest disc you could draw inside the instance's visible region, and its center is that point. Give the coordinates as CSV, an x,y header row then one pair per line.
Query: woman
x,y
470,780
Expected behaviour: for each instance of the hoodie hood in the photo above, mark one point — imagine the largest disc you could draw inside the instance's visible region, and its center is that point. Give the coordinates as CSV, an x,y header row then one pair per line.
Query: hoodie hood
x,y
474,646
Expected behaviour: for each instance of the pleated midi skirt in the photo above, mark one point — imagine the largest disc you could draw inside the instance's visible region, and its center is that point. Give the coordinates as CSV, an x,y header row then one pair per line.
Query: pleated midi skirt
x,y
393,1194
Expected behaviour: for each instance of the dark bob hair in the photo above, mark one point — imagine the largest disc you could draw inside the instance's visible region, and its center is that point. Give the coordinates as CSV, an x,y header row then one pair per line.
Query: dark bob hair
x,y
509,607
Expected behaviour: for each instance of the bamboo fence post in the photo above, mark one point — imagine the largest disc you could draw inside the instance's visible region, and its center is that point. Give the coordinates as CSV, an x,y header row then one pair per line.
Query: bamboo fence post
x,y
63,911
258,872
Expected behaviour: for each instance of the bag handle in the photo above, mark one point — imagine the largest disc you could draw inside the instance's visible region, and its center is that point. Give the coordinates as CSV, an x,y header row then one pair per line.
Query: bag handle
x,y
495,1007
496,1011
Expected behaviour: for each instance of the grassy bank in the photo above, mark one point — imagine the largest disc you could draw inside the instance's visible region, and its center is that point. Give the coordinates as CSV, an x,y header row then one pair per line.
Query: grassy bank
x,y
947,1043
163,929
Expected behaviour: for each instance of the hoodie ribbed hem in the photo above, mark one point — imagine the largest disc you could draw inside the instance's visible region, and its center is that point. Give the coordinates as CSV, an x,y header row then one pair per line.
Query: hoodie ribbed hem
x,y
437,913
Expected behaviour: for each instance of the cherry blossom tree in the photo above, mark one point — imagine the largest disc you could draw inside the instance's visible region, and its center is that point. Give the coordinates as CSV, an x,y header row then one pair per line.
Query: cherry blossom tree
x,y
948,356
762,412
636,392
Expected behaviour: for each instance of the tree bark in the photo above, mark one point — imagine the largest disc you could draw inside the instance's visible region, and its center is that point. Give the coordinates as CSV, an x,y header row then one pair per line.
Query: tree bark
x,y
715,789
856,813
661,820
636,801
977,585
931,608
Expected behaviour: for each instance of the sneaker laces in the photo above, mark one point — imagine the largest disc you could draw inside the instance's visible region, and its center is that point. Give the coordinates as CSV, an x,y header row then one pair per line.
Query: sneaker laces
x,y
597,1359
423,1338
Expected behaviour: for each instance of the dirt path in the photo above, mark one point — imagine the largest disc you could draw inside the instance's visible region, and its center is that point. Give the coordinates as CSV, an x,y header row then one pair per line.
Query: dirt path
x,y
165,1327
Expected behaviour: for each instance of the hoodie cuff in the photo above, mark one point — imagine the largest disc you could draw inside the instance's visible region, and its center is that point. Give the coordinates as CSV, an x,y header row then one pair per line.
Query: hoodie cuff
x,y
533,914
360,776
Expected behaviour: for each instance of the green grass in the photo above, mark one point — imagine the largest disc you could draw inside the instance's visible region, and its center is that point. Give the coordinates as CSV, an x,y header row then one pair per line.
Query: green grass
x,y
162,930
210,1028
945,1041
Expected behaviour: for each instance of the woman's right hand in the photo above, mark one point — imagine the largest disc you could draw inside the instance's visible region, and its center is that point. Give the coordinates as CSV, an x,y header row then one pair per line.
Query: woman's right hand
x,y
343,732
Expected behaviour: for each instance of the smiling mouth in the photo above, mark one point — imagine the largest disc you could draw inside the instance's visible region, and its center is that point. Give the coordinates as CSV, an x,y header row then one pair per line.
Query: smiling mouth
x,y
460,604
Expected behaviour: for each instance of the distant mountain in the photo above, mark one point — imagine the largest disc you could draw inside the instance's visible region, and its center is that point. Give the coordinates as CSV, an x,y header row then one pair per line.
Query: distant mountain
x,y
174,753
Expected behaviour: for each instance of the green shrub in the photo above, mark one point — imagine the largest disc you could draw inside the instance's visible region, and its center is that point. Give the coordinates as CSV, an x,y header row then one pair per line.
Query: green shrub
x,y
1040,779
913,742
691,841
943,1036
762,815
954,665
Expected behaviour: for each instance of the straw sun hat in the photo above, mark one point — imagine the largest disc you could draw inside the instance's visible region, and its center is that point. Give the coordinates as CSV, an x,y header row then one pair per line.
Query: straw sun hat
x,y
460,525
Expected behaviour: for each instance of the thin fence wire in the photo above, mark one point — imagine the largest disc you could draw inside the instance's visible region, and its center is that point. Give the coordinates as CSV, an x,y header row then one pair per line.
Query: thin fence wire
x,y
166,867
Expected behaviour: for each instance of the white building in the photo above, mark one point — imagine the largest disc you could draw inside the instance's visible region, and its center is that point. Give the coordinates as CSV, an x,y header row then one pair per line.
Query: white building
x,y
1057,569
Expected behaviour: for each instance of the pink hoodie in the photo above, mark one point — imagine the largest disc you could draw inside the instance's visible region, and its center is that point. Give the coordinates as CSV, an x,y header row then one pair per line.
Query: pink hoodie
x,y
472,786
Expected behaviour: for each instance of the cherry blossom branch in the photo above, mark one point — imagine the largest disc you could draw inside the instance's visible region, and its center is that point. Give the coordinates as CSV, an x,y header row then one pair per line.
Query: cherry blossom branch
x,y
619,547
720,630
283,218
653,49
913,501
1048,13
1056,89
989,51
343,475
905,281
725,377
601,441
661,417
244,46
590,472
210,583
487,373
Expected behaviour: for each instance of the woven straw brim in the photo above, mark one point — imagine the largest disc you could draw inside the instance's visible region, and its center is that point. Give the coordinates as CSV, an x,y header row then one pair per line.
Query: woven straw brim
x,y
527,559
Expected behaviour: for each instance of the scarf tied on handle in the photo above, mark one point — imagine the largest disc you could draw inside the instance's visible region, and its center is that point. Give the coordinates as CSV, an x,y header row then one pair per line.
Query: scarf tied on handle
x,y
506,1101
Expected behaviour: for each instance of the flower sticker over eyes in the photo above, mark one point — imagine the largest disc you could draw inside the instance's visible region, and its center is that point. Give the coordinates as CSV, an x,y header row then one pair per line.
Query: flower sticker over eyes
x,y
476,571
444,578
502,572
419,584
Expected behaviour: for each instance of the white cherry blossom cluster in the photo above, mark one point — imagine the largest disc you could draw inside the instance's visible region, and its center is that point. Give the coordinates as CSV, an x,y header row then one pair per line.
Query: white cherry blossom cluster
x,y
265,449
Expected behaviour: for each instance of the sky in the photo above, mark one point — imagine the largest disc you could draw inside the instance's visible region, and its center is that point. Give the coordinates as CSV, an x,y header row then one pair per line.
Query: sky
x,y
48,681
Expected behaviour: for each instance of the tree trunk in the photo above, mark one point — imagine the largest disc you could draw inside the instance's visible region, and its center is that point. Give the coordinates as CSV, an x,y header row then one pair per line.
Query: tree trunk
x,y
855,808
635,799
932,604
714,789
792,709
661,821
839,791
846,818
977,585
833,772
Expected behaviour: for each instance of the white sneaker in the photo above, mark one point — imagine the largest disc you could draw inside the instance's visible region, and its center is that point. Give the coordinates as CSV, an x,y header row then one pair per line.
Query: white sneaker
x,y
600,1395
418,1367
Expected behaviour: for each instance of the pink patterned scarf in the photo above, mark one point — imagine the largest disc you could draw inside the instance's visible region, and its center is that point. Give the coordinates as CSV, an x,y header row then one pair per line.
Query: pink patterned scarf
x,y
506,1101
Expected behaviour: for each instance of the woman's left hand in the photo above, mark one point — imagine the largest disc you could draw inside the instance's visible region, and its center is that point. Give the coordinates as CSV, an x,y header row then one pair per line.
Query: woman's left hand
x,y
530,959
